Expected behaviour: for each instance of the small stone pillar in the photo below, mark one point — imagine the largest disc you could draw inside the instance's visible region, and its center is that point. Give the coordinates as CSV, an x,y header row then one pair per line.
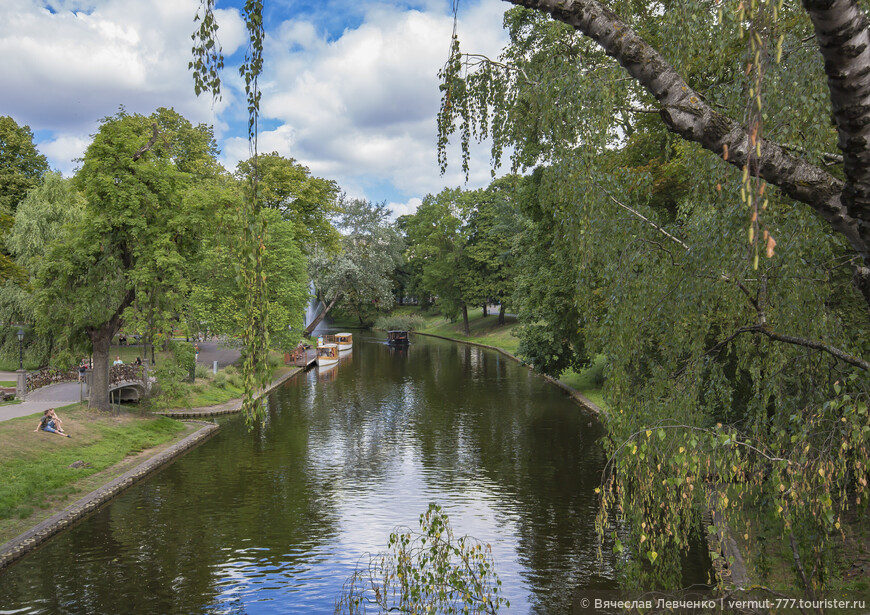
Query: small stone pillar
x,y
21,384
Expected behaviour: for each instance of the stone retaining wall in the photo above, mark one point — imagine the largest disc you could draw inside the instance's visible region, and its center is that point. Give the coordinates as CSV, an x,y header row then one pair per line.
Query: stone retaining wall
x,y
26,542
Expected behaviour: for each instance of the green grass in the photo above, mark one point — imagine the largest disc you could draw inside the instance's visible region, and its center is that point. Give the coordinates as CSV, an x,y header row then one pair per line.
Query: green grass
x,y
202,392
215,389
589,381
7,383
34,465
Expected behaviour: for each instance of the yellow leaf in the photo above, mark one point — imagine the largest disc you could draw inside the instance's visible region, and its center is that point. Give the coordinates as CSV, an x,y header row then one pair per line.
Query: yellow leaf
x,y
822,472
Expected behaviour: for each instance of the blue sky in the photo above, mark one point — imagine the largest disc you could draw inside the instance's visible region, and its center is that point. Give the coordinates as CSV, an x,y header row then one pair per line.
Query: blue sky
x,y
349,90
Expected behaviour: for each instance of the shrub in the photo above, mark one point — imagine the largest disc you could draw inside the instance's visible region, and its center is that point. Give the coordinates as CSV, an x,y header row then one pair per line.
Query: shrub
x,y
220,380
202,371
172,372
236,381
428,571
403,322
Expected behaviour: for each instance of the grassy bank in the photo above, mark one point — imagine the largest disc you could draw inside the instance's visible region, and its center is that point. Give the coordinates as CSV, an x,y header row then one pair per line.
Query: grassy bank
x,y
35,477
211,389
486,330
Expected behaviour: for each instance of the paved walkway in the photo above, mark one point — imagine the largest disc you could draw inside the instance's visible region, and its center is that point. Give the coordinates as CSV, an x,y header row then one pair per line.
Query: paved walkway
x,y
211,351
65,393
52,396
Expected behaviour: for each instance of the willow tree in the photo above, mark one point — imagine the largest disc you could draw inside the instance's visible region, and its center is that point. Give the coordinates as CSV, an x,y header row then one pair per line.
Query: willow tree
x,y
359,273
21,169
207,64
733,305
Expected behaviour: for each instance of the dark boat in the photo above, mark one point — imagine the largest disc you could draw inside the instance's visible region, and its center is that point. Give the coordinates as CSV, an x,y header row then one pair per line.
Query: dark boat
x,y
397,338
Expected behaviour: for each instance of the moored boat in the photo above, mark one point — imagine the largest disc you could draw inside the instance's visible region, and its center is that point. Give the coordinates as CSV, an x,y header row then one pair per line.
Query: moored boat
x,y
327,354
398,338
344,341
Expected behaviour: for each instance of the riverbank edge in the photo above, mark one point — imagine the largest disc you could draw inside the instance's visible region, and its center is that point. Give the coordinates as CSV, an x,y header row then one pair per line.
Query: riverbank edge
x,y
578,397
231,407
730,567
28,541
24,543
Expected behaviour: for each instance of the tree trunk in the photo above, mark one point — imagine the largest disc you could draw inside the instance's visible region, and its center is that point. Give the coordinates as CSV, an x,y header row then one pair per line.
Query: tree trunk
x,y
101,340
485,314
465,319
311,327
501,314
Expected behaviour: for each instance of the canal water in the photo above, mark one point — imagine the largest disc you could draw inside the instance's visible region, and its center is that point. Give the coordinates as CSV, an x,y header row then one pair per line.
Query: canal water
x,y
274,520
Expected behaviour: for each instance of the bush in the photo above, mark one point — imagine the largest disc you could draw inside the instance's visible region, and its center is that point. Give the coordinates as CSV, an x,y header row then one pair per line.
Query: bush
x,y
220,380
202,371
403,322
172,372
428,571
236,381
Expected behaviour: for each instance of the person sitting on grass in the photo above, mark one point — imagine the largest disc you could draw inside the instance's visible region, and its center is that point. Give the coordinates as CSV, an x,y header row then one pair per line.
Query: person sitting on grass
x,y
118,361
50,422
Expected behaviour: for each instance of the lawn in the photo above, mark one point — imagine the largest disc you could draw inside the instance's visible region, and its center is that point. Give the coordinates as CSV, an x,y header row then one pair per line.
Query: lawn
x,y
209,389
34,466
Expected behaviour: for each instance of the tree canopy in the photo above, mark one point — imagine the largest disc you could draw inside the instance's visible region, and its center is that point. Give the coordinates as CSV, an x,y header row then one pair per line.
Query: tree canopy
x,y
683,160
21,168
308,202
360,274
127,254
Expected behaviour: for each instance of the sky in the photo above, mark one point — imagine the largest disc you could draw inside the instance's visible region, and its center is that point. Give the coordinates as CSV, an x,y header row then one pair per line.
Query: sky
x,y
349,89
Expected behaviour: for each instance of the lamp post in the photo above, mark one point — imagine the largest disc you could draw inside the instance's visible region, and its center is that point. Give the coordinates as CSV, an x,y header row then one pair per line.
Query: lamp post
x,y
21,381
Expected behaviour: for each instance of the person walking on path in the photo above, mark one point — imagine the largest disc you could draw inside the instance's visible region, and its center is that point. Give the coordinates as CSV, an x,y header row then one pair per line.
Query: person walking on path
x,y
50,422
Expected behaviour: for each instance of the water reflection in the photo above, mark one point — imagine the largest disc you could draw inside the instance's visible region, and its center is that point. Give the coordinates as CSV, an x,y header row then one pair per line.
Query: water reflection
x,y
274,520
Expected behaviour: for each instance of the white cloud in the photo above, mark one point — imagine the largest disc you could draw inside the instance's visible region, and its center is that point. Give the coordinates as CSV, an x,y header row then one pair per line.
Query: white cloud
x,y
357,105
364,105
63,71
64,150
403,209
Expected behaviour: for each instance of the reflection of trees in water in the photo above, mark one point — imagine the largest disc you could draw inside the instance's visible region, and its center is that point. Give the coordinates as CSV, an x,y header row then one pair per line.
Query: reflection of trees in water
x,y
521,435
474,420
472,424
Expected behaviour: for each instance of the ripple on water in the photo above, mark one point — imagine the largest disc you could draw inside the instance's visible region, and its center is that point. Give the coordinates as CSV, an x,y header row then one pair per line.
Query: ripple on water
x,y
275,519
